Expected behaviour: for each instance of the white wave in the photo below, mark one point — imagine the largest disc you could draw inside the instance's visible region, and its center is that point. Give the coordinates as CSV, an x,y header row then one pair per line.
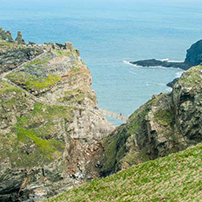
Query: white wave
x,y
132,72
179,74
167,60
155,84
164,60
128,63
168,89
151,67
148,84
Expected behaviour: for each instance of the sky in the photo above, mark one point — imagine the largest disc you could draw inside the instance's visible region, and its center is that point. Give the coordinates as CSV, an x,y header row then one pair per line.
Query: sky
x,y
111,4
17,2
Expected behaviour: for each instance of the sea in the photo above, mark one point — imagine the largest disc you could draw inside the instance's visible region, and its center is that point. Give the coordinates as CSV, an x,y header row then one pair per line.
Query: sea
x,y
109,34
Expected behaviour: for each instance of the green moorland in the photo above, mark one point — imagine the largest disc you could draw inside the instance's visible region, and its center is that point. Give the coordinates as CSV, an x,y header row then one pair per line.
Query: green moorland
x,y
177,177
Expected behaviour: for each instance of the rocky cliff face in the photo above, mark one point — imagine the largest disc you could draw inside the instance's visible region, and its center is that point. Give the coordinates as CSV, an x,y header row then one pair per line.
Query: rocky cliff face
x,y
50,132
13,53
194,54
165,124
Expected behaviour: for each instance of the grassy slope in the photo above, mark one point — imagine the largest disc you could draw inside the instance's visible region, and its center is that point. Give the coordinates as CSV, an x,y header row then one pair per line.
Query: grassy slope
x,y
31,141
177,177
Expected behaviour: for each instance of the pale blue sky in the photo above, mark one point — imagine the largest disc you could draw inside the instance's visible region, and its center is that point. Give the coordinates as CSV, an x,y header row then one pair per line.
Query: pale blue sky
x,y
96,1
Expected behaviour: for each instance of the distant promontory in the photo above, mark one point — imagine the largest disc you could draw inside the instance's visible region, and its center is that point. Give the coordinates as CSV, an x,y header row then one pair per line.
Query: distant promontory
x,y
193,58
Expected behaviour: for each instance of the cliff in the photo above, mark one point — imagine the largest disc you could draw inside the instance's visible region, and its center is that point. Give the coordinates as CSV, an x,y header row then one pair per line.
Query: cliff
x,y
50,131
176,177
167,123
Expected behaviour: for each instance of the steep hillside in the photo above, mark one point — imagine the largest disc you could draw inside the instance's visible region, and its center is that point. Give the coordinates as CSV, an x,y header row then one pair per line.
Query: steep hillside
x,y
167,123
50,131
177,177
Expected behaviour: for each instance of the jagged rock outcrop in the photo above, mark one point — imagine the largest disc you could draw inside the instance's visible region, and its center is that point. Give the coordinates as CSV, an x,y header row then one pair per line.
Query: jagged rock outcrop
x,y
3,34
12,54
6,35
172,83
19,39
193,58
165,124
9,36
50,132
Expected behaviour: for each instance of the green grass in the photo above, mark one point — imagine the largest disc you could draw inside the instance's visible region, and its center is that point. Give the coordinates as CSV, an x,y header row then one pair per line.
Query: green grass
x,y
35,131
39,62
177,177
164,117
33,137
32,83
191,77
65,53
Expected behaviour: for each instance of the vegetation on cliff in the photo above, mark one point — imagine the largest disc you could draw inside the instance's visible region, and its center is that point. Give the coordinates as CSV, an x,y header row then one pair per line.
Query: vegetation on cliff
x,y
50,138
176,177
167,123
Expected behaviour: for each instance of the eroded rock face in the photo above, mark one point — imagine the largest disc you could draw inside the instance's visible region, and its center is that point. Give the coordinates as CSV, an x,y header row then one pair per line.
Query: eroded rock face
x,y
13,57
165,124
46,147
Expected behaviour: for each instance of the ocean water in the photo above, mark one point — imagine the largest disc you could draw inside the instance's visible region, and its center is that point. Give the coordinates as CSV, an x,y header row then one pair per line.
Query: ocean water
x,y
108,35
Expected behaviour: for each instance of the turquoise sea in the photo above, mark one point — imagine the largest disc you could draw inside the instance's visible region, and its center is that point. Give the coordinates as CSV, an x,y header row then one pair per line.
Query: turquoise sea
x,y
108,35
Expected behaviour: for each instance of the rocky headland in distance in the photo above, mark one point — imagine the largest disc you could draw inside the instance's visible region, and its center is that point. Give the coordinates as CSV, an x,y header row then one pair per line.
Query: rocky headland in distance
x,y
193,58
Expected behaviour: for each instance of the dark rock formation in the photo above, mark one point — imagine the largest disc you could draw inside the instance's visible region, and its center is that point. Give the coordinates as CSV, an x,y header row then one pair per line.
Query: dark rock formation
x,y
172,83
6,35
3,34
31,43
194,54
10,58
193,58
153,62
9,36
167,123
19,39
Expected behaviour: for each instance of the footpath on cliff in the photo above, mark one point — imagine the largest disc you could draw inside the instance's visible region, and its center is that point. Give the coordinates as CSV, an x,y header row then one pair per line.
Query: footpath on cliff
x,y
50,131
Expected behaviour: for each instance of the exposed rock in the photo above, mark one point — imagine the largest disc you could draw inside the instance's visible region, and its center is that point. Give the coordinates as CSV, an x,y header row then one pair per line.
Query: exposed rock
x,y
172,83
19,39
32,43
153,62
3,34
69,46
9,36
193,58
46,148
165,124
194,54
12,56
